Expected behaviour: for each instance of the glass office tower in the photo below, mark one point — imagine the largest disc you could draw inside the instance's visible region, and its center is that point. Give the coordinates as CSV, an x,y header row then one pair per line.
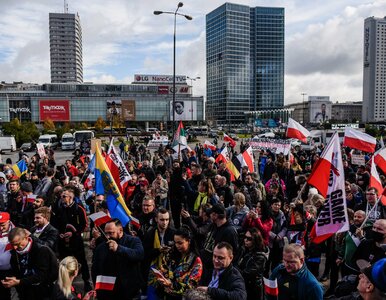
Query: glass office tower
x,y
245,61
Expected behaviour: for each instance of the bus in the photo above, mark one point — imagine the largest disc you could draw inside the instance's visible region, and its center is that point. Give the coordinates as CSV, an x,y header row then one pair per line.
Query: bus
x,y
82,135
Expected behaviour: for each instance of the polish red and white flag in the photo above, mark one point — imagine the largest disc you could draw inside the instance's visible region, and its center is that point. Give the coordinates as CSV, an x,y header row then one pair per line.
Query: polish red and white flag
x,y
209,145
270,287
228,139
380,159
328,177
100,218
359,140
105,283
296,131
375,181
249,160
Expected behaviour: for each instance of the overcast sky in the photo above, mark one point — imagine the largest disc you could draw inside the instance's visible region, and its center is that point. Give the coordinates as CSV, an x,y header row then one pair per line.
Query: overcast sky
x,y
323,52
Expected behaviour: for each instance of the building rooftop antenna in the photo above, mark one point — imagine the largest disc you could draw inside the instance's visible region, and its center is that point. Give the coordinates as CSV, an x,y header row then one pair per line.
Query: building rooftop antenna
x,y
65,7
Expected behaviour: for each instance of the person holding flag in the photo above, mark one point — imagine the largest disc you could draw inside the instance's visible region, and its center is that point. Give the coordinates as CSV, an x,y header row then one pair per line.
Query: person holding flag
x,y
118,258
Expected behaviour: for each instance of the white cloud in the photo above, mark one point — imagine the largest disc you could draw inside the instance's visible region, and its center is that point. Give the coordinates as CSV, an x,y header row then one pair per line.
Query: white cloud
x,y
120,37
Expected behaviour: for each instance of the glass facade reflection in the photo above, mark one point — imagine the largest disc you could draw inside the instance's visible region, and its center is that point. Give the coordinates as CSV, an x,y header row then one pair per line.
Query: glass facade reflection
x,y
245,61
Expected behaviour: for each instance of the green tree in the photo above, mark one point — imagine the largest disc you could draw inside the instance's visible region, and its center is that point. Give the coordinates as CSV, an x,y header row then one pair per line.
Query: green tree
x,y
99,124
84,126
48,125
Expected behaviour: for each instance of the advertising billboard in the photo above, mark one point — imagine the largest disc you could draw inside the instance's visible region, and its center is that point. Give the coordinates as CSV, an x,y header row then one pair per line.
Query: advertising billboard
x,y
320,109
56,110
184,110
168,89
140,78
114,109
128,110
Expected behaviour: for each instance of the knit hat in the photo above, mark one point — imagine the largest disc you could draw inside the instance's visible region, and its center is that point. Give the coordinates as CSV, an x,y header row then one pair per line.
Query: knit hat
x,y
26,187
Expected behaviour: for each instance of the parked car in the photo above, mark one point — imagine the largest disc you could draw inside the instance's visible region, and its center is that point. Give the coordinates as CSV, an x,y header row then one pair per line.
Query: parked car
x,y
213,133
28,147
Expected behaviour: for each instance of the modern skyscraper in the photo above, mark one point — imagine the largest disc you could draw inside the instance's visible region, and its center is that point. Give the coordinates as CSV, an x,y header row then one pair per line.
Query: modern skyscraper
x,y
244,61
374,70
66,48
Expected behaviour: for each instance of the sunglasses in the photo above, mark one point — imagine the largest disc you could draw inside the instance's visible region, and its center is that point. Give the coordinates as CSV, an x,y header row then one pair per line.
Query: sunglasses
x,y
248,238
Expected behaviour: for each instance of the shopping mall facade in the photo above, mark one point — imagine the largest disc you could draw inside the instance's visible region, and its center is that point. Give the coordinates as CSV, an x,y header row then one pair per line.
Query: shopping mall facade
x,y
148,101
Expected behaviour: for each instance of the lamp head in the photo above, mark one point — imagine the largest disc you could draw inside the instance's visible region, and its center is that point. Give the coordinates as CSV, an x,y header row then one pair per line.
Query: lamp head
x,y
188,17
180,4
157,12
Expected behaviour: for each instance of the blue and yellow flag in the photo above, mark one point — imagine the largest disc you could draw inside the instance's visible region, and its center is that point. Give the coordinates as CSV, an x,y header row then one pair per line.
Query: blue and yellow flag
x,y
20,168
105,184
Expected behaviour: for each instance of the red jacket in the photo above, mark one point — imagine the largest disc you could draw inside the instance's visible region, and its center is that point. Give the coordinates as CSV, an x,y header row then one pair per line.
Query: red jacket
x,y
264,226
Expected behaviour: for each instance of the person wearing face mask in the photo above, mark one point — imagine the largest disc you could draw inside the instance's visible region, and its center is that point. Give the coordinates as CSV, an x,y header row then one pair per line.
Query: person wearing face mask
x,y
34,267
5,254
372,248
119,257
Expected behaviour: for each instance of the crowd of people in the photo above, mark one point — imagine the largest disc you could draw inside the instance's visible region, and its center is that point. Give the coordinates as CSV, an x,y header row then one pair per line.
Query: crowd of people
x,y
202,233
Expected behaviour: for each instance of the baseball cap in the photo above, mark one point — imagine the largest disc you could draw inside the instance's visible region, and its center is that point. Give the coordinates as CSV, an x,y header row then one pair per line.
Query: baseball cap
x,y
377,274
4,217
26,187
219,209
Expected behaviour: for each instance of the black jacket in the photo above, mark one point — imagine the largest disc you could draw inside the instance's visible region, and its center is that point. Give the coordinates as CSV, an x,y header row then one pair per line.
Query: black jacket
x,y
48,237
122,264
230,287
43,268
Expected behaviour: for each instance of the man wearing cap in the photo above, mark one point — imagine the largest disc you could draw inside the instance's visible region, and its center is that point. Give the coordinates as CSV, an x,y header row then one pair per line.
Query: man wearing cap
x,y
5,253
219,231
372,281
15,200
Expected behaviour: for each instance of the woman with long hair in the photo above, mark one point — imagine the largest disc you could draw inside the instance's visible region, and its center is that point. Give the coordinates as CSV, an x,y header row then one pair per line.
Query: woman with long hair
x,y
63,289
251,263
206,194
183,267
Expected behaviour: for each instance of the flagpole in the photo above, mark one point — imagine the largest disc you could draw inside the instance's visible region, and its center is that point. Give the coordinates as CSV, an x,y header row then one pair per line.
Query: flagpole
x,y
301,191
371,210
179,152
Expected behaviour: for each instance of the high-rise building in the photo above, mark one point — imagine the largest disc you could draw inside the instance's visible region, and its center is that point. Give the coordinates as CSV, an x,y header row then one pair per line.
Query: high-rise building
x,y
374,70
66,48
244,61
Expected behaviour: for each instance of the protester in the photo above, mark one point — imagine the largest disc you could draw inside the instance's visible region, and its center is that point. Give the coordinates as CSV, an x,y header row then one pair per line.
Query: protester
x,y
34,267
224,281
118,257
294,280
43,232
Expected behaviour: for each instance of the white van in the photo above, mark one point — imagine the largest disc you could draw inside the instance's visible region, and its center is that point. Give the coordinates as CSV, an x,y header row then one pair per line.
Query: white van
x,y
7,143
133,131
49,140
68,141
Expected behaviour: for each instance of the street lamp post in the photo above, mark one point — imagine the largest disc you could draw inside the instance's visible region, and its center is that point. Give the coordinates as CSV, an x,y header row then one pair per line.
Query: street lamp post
x,y
158,12
191,84
304,109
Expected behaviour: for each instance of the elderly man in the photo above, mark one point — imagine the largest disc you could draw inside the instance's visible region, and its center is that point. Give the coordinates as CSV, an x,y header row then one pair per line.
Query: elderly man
x,y
119,257
5,254
225,281
34,267
294,280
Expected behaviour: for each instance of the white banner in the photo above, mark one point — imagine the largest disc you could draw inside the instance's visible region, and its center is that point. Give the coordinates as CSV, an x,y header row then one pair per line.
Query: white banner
x,y
276,146
358,159
333,217
124,175
41,150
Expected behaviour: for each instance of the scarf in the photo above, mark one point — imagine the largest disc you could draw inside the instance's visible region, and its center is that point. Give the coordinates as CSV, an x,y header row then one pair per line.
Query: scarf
x,y
26,248
202,198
